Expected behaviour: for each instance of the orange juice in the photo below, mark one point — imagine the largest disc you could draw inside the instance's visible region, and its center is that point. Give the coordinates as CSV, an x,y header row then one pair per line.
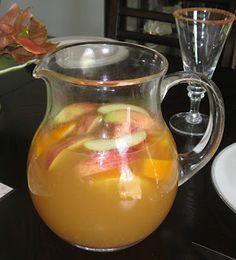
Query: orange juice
x,y
106,189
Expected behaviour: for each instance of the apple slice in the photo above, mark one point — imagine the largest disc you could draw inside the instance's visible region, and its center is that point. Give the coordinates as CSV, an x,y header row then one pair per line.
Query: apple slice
x,y
94,123
120,143
101,163
132,118
119,130
74,110
113,107
55,155
88,123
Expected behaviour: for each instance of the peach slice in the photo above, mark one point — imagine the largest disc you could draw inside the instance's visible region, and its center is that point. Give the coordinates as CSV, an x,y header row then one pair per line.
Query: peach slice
x,y
113,107
132,118
73,111
55,155
121,143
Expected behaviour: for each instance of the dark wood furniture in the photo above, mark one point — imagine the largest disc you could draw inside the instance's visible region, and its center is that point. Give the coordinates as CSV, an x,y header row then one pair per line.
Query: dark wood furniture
x,y
120,14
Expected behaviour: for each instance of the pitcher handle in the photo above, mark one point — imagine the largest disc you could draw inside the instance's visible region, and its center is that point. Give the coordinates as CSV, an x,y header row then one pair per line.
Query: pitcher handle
x,y
194,160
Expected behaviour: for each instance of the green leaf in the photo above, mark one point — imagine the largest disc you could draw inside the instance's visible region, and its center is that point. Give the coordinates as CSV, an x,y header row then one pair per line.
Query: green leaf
x,y
6,61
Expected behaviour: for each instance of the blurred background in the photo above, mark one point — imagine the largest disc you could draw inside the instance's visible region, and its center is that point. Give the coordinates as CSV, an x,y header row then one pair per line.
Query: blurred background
x,y
65,17
147,22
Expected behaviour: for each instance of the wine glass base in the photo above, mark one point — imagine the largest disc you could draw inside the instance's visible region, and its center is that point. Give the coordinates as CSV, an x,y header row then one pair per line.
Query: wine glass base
x,y
179,125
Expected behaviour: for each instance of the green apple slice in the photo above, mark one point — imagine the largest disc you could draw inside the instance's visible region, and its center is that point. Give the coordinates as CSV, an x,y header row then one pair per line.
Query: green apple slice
x,y
116,116
123,142
73,111
113,107
56,154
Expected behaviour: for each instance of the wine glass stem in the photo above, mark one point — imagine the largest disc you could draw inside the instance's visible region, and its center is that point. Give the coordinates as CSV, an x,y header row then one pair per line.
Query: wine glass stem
x,y
195,93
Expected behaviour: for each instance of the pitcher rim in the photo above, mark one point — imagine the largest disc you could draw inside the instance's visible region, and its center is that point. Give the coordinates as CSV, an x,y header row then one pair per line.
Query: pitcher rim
x,y
41,73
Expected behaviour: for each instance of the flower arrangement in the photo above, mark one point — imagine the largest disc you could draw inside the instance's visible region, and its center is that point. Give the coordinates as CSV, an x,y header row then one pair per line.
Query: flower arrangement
x,y
22,37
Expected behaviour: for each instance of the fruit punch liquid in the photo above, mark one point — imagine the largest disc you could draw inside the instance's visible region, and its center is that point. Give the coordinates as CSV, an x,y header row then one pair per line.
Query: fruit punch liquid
x,y
105,180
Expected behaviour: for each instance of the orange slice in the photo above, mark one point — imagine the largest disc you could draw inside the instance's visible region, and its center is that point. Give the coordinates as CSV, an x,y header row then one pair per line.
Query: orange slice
x,y
62,130
45,140
161,170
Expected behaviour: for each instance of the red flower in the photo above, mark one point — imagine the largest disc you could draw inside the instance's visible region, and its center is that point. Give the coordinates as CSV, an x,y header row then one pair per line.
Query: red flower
x,y
22,36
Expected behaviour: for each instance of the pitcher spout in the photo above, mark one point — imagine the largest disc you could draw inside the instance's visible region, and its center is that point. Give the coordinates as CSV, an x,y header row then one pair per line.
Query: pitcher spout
x,y
41,66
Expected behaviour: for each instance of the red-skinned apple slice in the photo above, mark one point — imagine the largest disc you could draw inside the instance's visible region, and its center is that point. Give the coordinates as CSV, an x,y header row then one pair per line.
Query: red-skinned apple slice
x,y
121,143
119,130
73,111
88,123
100,162
55,154
133,119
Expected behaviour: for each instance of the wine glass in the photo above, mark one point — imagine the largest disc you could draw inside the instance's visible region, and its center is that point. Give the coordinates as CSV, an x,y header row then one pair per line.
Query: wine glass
x,y
202,34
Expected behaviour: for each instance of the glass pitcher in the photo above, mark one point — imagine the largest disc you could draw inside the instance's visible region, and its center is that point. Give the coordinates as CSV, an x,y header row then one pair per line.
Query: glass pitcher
x,y
103,169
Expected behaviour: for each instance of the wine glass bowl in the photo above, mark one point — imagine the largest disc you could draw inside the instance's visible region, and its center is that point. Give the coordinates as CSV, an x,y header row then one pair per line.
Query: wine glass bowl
x,y
202,33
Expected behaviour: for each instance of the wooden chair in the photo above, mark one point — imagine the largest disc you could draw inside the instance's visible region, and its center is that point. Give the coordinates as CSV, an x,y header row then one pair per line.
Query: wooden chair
x,y
117,12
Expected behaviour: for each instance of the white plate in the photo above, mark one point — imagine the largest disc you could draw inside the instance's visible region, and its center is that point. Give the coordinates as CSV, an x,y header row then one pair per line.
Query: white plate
x,y
74,39
17,67
86,58
223,173
61,41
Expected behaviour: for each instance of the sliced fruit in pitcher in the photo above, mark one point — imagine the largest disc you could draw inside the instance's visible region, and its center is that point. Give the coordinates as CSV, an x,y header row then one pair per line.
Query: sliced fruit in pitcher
x,y
102,162
113,107
110,166
73,111
120,143
87,124
55,154
93,123
45,141
115,130
132,118
161,170
62,130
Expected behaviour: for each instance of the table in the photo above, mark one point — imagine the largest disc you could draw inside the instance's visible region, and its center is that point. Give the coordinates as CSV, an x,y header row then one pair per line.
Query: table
x,y
198,214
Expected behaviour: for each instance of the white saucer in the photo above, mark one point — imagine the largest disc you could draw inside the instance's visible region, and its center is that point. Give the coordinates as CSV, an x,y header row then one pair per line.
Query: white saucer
x,y
60,41
84,58
223,173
